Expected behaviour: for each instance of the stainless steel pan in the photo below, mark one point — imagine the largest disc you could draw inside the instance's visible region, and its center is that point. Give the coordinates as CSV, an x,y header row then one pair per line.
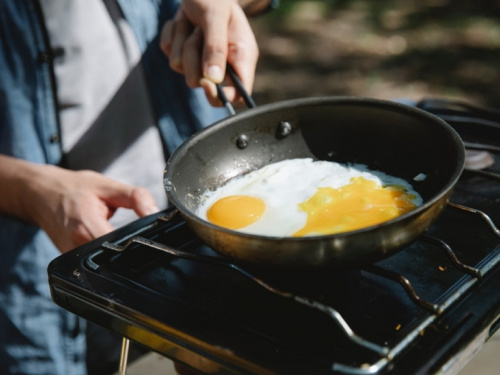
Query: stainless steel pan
x,y
397,139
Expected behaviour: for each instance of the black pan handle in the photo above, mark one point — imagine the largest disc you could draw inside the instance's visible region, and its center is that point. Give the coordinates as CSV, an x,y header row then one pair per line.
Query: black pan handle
x,y
223,98
239,87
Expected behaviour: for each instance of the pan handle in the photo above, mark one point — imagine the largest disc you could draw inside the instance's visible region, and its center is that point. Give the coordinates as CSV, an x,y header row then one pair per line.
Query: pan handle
x,y
239,87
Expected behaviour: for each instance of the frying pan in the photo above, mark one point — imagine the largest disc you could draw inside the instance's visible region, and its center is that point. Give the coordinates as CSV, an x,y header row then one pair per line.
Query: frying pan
x,y
397,139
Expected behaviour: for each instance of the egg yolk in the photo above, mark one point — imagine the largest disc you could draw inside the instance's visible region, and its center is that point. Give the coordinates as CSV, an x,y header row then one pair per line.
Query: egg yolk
x,y
236,211
359,204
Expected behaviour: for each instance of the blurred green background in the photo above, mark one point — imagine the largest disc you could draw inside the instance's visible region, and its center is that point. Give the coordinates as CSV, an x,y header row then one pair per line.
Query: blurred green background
x,y
380,49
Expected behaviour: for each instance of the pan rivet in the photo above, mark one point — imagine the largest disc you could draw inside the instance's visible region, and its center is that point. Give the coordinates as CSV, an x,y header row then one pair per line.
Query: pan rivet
x,y
242,141
284,129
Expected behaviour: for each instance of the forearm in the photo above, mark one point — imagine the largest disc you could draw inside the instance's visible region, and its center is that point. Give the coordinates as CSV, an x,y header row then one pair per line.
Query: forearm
x,y
14,176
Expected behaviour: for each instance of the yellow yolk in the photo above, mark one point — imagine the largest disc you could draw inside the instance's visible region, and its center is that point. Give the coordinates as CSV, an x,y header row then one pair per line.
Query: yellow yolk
x,y
357,205
236,211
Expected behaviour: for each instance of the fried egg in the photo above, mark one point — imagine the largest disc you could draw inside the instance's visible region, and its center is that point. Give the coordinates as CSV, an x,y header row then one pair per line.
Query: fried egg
x,y
302,197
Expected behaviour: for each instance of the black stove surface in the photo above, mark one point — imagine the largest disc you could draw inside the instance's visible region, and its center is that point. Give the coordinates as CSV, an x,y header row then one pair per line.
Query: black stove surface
x,y
414,312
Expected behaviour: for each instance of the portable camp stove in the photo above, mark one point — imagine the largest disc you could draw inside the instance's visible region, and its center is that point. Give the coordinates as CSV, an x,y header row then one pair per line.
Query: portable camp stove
x,y
426,309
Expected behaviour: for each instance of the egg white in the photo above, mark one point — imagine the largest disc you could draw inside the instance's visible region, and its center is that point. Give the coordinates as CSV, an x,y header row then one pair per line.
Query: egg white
x,y
285,184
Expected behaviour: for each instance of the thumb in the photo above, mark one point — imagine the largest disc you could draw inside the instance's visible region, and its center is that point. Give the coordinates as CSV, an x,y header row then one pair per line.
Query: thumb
x,y
215,47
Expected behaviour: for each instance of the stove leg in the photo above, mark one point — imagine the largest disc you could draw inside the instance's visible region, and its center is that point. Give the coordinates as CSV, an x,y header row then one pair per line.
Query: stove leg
x,y
124,356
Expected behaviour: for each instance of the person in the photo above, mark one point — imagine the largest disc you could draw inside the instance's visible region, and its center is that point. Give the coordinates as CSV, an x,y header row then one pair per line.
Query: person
x,y
94,96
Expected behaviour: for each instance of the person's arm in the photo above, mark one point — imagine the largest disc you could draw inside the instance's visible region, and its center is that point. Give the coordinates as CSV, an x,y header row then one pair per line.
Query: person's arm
x,y
72,207
207,34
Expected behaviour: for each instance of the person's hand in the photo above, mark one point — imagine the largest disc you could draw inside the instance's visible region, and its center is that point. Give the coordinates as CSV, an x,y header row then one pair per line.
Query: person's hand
x,y
74,207
203,37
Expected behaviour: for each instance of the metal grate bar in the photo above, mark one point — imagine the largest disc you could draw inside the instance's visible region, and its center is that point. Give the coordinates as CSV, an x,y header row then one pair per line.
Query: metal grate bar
x,y
328,310
407,286
483,215
454,259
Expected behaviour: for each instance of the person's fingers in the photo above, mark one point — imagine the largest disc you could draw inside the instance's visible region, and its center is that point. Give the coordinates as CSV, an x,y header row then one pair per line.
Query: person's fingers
x,y
215,45
175,35
114,194
242,54
203,38
85,218
139,199
143,202
243,51
191,56
211,93
89,213
91,228
166,37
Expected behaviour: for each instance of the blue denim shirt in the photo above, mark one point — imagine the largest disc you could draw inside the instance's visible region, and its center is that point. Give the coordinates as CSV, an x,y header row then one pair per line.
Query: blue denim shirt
x,y
36,336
